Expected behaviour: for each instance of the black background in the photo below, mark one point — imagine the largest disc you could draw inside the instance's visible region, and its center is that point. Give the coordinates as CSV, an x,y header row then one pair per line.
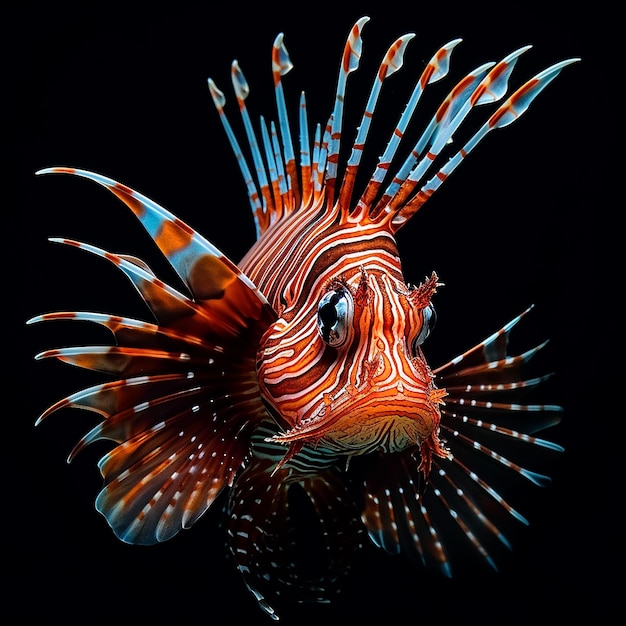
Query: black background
x,y
122,91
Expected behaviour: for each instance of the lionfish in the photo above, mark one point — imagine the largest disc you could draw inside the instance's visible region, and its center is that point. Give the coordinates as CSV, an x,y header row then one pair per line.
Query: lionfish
x,y
295,381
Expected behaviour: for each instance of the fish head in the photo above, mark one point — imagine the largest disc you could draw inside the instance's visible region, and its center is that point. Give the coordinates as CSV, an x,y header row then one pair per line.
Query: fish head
x,y
347,372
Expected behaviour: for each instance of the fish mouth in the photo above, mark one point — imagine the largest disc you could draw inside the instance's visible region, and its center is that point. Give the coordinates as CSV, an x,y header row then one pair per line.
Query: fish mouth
x,y
356,422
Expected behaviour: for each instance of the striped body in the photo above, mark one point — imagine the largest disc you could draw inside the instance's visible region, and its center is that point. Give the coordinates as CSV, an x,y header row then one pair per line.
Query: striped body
x,y
301,367
372,392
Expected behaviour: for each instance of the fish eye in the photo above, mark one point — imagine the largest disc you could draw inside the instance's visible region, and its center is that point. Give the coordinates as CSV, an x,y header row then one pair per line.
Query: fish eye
x,y
429,319
334,316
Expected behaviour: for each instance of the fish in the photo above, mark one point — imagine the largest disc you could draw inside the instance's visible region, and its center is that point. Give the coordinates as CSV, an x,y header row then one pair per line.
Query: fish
x,y
292,389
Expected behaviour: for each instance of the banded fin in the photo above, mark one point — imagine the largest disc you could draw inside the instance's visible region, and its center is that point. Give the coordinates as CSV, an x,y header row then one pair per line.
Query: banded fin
x,y
187,399
393,512
121,360
115,396
293,531
391,63
299,185
464,506
349,63
436,69
219,101
506,114
137,333
170,307
216,283
164,477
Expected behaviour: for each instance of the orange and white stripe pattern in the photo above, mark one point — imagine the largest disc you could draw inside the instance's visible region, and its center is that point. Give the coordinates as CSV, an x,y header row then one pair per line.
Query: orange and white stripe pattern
x,y
301,367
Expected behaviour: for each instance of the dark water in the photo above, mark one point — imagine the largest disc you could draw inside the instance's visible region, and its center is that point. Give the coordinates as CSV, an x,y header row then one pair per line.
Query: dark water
x,y
125,94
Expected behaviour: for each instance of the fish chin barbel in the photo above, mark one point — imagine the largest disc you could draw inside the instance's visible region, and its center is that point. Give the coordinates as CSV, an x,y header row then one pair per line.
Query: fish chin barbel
x,y
269,375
